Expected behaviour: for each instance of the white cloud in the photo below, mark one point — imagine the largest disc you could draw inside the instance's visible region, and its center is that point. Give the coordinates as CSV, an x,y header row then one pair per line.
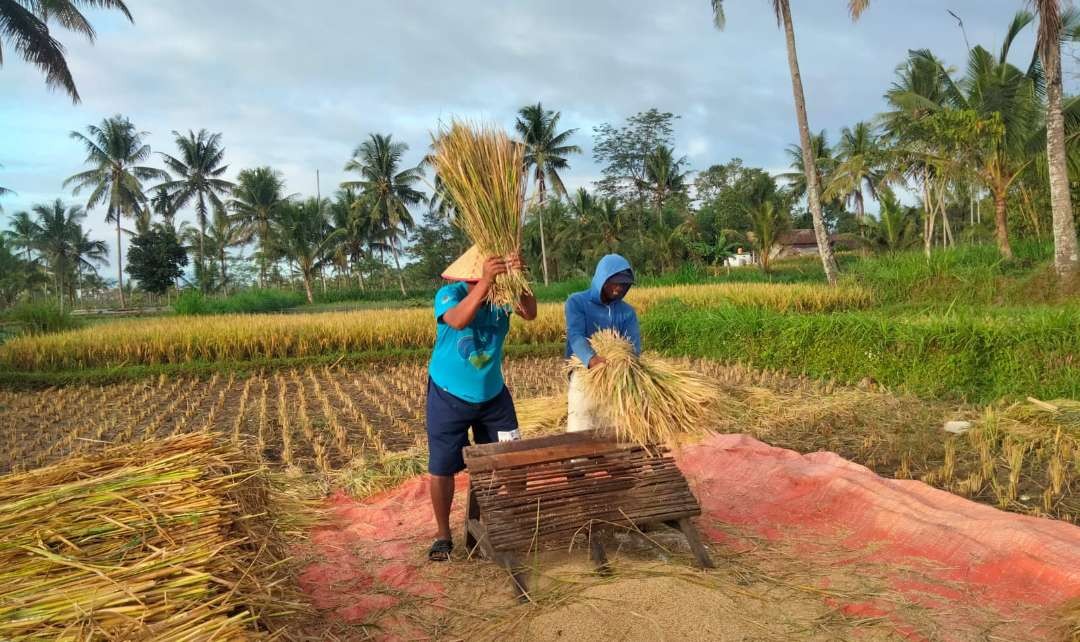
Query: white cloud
x,y
297,84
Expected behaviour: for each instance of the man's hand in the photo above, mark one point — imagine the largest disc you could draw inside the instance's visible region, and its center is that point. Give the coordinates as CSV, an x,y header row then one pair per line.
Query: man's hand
x,y
515,262
493,267
596,361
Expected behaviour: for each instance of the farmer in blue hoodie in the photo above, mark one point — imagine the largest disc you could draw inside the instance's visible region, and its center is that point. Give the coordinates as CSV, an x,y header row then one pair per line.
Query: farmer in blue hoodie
x,y
598,308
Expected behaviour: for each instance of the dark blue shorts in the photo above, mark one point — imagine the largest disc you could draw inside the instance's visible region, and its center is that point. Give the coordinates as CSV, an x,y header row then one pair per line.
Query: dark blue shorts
x,y
449,419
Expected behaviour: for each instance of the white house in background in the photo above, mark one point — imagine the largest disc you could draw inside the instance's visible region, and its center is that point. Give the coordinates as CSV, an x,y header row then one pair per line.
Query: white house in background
x,y
740,258
798,243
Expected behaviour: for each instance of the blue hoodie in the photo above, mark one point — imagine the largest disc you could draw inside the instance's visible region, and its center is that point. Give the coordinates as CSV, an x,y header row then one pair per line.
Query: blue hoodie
x,y
585,313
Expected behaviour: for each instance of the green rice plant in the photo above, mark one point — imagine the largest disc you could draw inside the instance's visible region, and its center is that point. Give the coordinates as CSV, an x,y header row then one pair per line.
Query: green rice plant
x,y
483,172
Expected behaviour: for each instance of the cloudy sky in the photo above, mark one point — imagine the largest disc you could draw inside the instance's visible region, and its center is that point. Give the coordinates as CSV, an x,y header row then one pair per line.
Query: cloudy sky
x,y
296,84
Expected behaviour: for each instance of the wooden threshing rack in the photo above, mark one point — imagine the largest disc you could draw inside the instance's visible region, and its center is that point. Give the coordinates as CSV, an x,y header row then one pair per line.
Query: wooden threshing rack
x,y
527,493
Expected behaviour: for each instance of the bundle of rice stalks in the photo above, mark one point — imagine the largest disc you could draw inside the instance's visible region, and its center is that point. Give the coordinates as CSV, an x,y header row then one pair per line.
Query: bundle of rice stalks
x,y
540,415
644,400
365,476
483,171
172,540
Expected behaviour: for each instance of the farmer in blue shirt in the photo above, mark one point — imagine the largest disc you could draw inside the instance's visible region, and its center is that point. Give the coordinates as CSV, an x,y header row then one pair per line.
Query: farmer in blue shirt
x,y
465,380
598,308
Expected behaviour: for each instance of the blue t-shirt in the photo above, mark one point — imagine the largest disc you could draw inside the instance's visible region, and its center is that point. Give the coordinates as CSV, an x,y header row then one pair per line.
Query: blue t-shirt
x,y
467,363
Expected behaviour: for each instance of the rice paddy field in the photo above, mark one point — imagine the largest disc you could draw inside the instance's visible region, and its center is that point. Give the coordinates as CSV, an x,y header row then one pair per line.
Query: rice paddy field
x,y
311,404
252,337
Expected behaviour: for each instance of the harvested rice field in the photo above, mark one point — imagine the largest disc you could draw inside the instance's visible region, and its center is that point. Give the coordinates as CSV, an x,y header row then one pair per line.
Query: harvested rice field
x,y
312,419
327,419
349,441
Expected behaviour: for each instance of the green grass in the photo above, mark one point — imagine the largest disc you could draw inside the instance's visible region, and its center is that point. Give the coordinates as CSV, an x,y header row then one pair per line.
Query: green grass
x,y
963,355
40,317
193,302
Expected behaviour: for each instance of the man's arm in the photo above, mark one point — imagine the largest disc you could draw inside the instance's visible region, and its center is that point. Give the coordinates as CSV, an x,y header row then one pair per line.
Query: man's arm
x,y
575,335
633,331
463,313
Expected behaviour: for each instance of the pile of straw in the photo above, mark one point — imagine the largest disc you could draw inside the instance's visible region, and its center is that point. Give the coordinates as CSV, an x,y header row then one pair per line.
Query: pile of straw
x,y
541,415
171,540
483,171
644,400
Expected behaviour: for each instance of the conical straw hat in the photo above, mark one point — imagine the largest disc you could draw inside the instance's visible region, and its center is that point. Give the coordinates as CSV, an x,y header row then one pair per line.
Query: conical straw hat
x,y
468,267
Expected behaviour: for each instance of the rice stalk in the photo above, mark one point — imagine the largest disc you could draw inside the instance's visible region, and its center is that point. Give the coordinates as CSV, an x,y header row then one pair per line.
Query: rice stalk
x,y
643,399
540,415
172,539
483,171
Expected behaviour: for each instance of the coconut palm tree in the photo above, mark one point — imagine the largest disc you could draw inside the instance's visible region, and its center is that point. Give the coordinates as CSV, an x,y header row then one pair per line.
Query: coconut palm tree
x,y
257,197
769,222
302,235
198,179
23,233
824,162
354,217
387,188
57,240
859,168
895,228
114,150
1003,98
545,154
1051,32
224,233
89,254
782,9
24,23
664,176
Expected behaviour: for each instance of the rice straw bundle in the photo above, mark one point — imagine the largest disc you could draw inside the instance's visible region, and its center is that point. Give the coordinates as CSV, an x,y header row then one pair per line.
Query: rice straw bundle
x,y
540,415
644,400
177,539
483,171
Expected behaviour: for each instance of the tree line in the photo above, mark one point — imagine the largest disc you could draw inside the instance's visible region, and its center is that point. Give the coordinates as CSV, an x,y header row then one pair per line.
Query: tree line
x,y
996,137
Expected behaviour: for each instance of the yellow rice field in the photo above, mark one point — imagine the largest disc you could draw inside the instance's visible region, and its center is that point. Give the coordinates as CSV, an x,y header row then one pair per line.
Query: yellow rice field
x,y
166,340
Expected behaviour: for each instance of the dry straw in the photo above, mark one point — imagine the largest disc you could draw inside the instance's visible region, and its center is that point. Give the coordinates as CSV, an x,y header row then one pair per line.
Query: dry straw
x,y
483,171
175,539
645,400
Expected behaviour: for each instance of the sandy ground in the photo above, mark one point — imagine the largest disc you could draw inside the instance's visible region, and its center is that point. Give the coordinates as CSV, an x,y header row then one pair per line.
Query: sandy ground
x,y
759,590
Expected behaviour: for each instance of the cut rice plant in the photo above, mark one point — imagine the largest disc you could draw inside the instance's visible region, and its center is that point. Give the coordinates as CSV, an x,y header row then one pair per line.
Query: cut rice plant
x,y
483,171
366,476
173,539
541,415
1028,458
1070,620
643,399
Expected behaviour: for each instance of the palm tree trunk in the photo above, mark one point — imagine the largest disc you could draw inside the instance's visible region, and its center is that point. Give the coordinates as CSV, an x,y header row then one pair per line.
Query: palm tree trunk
x,y
813,189
928,217
543,245
1001,225
119,260
1066,257
307,286
224,275
860,212
201,212
397,264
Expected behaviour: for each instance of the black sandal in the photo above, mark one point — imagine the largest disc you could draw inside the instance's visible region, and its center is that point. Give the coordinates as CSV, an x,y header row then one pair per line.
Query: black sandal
x,y
440,550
